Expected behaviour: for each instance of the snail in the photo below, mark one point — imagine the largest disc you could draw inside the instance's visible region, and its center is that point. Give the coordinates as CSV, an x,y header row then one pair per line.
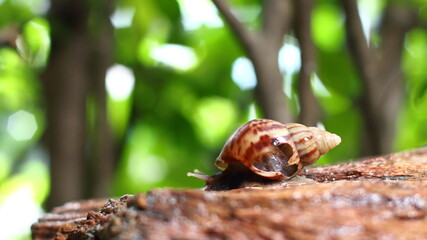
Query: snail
x,y
265,151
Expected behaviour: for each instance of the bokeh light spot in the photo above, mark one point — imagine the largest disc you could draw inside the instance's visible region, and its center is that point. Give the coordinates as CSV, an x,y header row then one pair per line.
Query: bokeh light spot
x,y
213,118
243,73
196,13
289,64
174,55
318,87
22,125
120,82
370,15
36,6
289,59
122,17
328,27
21,211
144,168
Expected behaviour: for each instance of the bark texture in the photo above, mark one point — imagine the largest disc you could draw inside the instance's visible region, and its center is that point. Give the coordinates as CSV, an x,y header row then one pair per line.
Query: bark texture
x,y
376,198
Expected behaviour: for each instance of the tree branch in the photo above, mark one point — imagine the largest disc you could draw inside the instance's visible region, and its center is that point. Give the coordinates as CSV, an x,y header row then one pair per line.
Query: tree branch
x,y
364,57
366,63
9,35
263,50
242,33
101,160
310,109
276,16
397,21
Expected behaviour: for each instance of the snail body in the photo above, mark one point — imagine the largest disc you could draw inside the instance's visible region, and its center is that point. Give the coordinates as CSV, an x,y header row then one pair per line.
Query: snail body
x,y
264,151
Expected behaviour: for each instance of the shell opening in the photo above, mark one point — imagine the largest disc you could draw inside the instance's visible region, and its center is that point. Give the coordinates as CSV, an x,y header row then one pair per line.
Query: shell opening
x,y
288,170
275,165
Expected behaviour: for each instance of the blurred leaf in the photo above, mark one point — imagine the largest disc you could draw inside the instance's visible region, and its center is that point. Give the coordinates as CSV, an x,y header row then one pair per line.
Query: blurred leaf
x,y
34,174
35,42
119,114
12,13
328,27
337,72
148,17
248,12
420,93
213,119
126,48
16,78
5,166
170,8
414,57
347,125
415,130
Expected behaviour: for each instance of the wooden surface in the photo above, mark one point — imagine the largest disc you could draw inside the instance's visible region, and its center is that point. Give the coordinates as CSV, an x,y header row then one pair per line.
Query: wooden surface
x,y
376,198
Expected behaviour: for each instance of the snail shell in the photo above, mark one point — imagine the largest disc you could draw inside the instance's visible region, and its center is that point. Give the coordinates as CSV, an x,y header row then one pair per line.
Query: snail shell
x,y
271,150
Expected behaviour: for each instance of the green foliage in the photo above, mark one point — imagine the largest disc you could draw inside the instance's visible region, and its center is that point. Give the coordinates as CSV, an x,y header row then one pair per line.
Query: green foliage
x,y
413,115
328,27
35,42
14,12
184,107
16,78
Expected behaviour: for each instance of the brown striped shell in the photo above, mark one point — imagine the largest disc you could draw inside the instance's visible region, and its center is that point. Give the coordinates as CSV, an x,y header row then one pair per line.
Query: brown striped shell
x,y
275,150
269,149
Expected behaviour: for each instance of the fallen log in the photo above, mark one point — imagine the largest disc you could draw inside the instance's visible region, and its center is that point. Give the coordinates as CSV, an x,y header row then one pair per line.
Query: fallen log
x,y
374,198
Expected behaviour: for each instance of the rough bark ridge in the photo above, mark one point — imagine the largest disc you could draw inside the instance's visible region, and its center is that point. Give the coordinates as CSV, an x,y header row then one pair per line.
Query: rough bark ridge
x,y
375,198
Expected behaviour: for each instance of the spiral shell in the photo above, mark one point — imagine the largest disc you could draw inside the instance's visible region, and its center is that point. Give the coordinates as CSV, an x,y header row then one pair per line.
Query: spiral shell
x,y
275,150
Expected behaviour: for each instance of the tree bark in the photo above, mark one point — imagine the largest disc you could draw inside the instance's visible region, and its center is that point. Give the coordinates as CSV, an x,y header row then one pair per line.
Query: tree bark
x,y
269,92
76,70
374,198
309,107
102,159
66,85
397,22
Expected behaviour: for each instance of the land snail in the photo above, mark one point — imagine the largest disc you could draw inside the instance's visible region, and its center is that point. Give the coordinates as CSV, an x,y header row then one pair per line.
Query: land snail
x,y
265,151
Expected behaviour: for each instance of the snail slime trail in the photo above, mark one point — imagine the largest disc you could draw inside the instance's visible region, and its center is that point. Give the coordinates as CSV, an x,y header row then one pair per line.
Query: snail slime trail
x,y
264,151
